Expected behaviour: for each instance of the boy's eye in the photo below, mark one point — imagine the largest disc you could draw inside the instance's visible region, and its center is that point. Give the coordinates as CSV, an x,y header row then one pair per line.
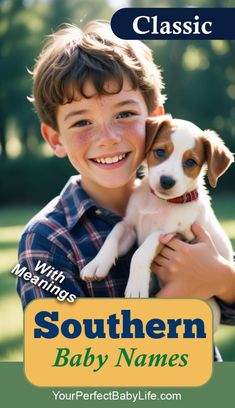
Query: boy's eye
x,y
126,114
81,123
190,163
159,153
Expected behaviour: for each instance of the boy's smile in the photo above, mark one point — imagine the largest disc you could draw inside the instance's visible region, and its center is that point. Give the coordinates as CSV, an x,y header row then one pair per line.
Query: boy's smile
x,y
110,162
103,136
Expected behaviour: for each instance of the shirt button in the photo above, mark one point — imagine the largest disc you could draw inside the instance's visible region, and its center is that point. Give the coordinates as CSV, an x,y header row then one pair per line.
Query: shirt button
x,y
98,212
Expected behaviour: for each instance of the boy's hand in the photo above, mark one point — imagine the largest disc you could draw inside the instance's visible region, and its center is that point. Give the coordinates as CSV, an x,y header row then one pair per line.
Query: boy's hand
x,y
193,270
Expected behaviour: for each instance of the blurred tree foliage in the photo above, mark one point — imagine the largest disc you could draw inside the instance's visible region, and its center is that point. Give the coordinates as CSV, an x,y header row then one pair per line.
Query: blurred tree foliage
x,y
23,26
199,75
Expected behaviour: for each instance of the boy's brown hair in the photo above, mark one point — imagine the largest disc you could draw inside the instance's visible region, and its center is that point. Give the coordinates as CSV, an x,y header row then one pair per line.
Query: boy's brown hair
x,y
72,56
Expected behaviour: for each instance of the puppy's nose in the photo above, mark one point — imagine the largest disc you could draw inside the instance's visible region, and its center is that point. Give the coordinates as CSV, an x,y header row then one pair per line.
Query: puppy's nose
x,y
167,182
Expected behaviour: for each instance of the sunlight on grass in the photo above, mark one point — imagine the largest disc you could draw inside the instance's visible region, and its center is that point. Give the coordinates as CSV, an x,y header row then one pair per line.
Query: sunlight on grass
x,y
225,334
229,227
225,340
11,329
14,355
8,259
11,234
12,223
11,322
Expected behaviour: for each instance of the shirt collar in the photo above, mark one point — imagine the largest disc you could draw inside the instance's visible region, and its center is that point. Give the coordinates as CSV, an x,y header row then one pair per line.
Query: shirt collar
x,y
75,201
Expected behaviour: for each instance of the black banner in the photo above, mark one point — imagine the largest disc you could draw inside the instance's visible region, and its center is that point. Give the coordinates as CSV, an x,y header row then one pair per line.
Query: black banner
x,y
174,23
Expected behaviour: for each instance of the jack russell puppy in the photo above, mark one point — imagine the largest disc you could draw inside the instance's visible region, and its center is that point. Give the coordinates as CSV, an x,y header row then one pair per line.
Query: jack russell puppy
x,y
169,200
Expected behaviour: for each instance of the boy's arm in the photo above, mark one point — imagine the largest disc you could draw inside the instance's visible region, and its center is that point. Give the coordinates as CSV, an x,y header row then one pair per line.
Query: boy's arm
x,y
196,271
38,254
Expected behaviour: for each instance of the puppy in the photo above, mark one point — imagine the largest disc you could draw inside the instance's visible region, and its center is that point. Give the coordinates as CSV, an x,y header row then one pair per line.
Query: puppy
x,y
169,200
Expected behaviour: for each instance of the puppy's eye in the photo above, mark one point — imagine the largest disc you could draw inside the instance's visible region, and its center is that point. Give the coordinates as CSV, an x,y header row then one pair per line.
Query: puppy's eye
x,y
159,153
190,163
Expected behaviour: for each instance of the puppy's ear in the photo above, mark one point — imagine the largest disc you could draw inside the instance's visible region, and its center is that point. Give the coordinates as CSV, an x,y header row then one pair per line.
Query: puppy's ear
x,y
218,156
153,126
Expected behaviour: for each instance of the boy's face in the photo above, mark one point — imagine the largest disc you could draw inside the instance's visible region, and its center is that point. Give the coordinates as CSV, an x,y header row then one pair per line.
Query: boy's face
x,y
103,136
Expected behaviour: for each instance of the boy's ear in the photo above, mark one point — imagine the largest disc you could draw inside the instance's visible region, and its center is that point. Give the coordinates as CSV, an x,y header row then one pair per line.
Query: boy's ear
x,y
158,111
52,137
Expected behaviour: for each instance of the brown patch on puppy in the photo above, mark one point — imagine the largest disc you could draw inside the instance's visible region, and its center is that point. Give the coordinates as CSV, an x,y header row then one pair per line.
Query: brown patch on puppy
x,y
158,136
163,142
198,155
218,156
153,127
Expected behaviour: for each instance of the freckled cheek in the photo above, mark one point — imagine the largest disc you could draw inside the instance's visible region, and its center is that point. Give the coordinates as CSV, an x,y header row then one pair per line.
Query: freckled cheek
x,y
136,134
77,147
79,142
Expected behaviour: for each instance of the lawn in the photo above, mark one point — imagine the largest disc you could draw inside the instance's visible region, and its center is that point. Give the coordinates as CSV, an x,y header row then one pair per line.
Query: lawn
x,y
12,221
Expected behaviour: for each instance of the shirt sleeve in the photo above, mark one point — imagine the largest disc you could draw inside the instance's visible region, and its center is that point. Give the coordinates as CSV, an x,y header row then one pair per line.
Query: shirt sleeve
x,y
227,310
41,258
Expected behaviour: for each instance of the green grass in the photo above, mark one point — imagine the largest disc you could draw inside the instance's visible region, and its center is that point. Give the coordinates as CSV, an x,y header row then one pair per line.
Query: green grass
x,y
12,222
224,207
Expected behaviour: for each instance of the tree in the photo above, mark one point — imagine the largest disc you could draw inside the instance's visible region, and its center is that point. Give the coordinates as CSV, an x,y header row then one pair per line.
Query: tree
x,y
19,32
24,24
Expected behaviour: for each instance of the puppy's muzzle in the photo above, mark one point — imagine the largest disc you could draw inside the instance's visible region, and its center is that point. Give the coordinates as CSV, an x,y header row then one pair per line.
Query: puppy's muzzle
x,y
167,182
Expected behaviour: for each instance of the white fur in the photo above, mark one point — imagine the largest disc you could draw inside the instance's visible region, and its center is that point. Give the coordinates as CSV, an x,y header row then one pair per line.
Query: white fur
x,y
149,216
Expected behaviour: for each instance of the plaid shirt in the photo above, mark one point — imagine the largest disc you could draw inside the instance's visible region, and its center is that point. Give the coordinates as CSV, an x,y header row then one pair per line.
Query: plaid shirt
x,y
67,234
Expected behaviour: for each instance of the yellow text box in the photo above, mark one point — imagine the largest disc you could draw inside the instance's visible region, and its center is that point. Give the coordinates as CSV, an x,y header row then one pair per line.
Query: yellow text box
x,y
118,342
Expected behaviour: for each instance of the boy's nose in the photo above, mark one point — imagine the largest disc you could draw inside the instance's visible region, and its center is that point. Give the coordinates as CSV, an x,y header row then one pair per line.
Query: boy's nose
x,y
107,136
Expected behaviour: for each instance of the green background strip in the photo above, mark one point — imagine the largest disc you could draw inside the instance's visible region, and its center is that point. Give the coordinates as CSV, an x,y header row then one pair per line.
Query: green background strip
x,y
15,390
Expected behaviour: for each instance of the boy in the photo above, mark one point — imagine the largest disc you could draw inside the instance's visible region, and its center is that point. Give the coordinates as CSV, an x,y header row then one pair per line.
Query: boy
x,y
93,94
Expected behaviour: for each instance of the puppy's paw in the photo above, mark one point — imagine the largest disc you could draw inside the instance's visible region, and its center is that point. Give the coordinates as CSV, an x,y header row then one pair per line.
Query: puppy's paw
x,y
94,270
88,272
134,290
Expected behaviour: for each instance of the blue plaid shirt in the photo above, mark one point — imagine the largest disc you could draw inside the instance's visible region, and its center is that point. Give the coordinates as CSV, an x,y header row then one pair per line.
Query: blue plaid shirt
x,y
67,234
